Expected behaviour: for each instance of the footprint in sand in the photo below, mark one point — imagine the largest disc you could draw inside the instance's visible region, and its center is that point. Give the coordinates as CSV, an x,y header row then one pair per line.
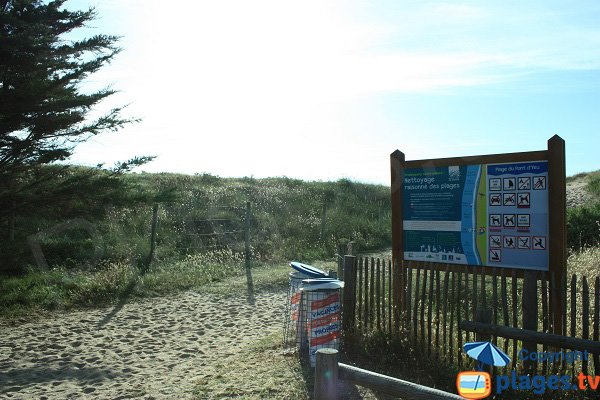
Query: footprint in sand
x,y
147,349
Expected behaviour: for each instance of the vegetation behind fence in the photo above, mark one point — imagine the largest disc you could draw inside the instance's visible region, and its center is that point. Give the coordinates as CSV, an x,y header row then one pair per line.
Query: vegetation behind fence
x,y
435,301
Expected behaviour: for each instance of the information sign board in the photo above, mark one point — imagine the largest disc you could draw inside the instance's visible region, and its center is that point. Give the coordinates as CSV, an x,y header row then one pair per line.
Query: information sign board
x,y
483,215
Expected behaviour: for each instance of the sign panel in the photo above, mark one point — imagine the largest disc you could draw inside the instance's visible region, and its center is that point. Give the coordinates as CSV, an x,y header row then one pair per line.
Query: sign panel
x,y
489,214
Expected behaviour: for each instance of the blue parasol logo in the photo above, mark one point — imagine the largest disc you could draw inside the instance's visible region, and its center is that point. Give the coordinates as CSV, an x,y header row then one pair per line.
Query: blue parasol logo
x,y
486,354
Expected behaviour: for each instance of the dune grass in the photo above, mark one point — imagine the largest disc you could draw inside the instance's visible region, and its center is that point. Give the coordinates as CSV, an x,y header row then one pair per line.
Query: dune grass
x,y
219,271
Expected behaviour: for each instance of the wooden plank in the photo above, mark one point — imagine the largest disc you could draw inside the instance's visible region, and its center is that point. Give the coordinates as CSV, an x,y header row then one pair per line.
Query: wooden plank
x,y
408,301
573,321
545,325
495,302
585,317
438,300
474,305
378,292
397,159
505,317
430,313
504,297
372,299
530,315
416,308
553,304
392,386
514,317
359,296
366,309
400,312
557,222
457,304
526,335
349,295
390,289
565,318
455,301
596,333
555,366
464,296
483,293
444,312
423,305
384,304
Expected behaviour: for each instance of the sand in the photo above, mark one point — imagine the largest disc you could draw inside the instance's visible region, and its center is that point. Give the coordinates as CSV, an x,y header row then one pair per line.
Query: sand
x,y
149,349
577,193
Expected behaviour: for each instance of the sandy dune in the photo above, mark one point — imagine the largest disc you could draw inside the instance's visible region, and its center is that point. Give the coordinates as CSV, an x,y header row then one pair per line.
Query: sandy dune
x,y
150,349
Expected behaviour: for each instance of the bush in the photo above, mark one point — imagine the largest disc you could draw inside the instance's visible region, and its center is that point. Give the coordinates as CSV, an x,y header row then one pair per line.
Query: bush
x,y
583,226
593,185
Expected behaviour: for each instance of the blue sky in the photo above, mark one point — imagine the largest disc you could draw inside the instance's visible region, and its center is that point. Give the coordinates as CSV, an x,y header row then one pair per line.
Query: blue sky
x,y
324,90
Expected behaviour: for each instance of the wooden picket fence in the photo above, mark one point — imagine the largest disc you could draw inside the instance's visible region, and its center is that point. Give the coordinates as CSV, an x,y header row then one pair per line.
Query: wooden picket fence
x,y
434,301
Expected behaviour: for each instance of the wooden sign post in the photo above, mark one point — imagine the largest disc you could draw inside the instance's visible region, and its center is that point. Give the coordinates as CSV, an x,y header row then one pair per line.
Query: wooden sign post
x,y
490,211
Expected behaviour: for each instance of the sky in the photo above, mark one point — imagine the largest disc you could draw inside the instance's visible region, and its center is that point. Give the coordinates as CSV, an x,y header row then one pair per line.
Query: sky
x,y
323,90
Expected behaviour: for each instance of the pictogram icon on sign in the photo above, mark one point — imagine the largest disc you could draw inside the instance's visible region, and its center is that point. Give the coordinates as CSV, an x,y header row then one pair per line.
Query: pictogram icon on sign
x,y
524,183
495,241
539,242
523,220
539,182
510,242
524,242
509,220
495,184
509,183
495,220
495,199
523,200
509,199
495,255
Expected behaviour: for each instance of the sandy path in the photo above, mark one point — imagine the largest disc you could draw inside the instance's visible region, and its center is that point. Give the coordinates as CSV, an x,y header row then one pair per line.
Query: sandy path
x,y
150,349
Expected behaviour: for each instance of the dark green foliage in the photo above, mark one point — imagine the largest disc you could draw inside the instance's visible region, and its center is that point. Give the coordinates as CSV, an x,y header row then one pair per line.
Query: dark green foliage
x,y
43,115
43,111
286,215
203,213
593,184
583,226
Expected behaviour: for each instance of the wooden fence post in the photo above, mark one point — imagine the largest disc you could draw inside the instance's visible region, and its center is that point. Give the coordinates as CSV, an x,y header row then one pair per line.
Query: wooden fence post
x,y
397,160
340,260
326,375
530,315
557,246
247,236
323,220
152,237
349,297
247,254
483,315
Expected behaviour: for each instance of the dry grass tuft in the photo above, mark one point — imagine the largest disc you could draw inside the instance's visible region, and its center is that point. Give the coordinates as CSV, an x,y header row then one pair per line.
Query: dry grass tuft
x,y
585,262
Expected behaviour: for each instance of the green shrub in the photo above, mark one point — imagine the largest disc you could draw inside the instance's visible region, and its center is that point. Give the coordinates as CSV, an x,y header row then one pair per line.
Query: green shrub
x,y
583,226
593,184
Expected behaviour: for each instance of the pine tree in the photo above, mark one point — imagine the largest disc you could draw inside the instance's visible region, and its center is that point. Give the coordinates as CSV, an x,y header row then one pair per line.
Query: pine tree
x,y
44,110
